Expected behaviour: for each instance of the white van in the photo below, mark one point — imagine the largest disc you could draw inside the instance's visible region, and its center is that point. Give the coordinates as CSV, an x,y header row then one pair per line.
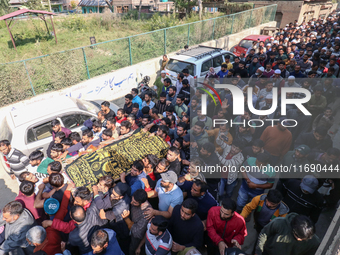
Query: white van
x,y
197,60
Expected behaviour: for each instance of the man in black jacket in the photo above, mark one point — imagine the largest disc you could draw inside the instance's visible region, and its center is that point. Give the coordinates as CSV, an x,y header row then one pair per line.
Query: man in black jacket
x,y
318,140
302,197
185,226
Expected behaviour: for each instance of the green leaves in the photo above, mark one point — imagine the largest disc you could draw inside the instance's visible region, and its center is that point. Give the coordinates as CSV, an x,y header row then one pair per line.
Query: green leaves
x,y
185,5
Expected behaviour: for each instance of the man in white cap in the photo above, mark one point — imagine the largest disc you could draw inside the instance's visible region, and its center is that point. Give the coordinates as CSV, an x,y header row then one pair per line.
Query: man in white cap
x,y
291,83
256,76
160,81
277,80
169,195
302,197
276,42
268,47
268,101
285,42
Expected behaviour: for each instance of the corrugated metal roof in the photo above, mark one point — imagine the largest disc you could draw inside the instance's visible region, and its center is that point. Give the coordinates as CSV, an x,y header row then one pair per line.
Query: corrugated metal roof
x,y
102,3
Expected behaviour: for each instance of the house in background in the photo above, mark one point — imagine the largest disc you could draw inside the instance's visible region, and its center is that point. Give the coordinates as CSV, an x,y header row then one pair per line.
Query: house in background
x,y
123,6
91,6
56,5
288,11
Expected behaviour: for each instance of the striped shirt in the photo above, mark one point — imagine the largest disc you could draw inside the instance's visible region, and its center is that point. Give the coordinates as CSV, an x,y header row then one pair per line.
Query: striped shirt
x,y
17,162
160,245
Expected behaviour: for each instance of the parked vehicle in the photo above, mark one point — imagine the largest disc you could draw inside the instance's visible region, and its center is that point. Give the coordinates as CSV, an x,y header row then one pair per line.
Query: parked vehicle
x,y
247,42
197,60
143,87
29,128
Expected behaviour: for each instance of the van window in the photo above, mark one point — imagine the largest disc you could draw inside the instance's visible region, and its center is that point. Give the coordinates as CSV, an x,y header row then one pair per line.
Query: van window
x,y
30,136
178,66
74,120
39,132
217,61
246,44
205,66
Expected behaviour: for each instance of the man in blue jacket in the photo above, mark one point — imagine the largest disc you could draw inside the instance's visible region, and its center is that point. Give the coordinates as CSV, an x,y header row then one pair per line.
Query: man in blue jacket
x,y
104,241
136,98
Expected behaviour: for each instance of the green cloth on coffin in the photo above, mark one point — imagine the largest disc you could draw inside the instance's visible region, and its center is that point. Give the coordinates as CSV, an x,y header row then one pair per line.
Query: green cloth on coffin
x,y
115,158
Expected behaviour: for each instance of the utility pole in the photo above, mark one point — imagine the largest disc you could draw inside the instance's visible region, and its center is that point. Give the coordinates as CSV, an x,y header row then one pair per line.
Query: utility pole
x,y
200,8
49,6
98,6
140,9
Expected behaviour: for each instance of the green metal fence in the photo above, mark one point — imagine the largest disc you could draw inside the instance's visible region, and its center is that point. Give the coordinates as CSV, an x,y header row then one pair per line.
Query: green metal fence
x,y
26,78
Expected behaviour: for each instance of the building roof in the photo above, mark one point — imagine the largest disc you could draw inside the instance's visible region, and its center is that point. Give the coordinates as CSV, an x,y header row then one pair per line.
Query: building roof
x,y
23,11
102,3
14,2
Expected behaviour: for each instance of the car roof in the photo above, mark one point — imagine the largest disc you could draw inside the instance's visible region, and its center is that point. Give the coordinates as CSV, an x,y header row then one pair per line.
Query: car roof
x,y
38,110
255,37
194,60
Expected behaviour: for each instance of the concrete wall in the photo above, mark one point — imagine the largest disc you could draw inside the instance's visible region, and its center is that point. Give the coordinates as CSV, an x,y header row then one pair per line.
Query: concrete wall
x,y
290,9
296,10
116,84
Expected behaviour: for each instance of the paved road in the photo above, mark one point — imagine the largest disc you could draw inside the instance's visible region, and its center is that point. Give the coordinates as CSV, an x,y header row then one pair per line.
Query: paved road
x,y
8,188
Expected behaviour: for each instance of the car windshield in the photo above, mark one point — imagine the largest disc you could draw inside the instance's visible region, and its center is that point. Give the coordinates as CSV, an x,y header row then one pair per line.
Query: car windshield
x,y
246,44
88,106
178,66
6,132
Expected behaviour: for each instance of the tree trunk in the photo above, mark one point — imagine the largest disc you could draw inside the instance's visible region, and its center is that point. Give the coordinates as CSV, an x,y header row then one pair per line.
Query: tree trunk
x,y
140,9
200,6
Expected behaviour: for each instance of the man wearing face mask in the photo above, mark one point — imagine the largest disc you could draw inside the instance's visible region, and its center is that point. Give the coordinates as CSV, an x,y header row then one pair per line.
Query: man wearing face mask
x,y
302,197
225,227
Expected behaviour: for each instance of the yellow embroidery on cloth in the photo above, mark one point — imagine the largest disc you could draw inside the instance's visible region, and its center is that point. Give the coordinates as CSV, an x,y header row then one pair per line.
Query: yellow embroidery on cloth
x,y
115,158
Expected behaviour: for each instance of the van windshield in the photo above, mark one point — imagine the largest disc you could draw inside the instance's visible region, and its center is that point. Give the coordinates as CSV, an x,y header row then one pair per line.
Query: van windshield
x,y
178,66
246,44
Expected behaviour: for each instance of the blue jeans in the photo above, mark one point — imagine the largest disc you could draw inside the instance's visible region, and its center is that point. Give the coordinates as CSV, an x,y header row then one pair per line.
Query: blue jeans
x,y
245,194
229,188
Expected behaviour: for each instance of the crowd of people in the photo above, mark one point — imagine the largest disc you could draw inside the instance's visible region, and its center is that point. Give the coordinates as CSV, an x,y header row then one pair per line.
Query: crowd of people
x,y
169,205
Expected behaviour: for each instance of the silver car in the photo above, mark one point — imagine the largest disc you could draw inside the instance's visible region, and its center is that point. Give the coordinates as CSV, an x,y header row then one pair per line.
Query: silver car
x,y
29,128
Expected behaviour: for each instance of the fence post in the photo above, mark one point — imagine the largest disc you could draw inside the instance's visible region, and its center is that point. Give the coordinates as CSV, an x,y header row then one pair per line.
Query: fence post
x,y
87,67
213,32
188,34
251,15
232,24
29,78
130,51
164,41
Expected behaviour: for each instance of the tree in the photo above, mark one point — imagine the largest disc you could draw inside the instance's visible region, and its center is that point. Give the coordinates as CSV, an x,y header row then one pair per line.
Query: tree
x,y
34,5
109,3
140,9
185,5
4,6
